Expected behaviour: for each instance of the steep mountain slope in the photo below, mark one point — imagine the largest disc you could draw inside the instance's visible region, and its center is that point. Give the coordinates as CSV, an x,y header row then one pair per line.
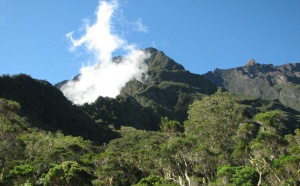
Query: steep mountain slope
x,y
259,80
45,107
169,85
166,90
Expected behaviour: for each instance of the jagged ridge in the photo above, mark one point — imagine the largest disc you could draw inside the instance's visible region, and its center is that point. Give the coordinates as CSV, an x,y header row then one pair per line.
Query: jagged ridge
x,y
260,80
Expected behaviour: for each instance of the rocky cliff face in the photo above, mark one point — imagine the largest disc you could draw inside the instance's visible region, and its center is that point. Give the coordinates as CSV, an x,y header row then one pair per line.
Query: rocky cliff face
x,y
260,80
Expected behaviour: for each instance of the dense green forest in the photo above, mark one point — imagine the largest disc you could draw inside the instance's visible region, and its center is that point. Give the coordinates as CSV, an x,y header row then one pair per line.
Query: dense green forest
x,y
226,140
175,128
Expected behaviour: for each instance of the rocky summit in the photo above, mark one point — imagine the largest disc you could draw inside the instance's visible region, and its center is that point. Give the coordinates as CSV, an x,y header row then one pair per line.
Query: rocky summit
x,y
262,80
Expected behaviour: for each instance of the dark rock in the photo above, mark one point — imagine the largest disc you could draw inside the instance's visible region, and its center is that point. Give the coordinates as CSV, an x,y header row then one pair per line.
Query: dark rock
x,y
259,80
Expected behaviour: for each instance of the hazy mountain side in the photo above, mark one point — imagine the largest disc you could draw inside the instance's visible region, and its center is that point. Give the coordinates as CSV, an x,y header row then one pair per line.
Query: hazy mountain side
x,y
157,60
166,90
142,106
46,107
259,80
163,68
60,84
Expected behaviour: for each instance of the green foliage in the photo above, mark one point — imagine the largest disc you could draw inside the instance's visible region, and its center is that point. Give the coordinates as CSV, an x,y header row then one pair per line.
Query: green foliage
x,y
213,119
68,173
267,145
245,176
151,181
170,125
271,120
129,159
122,111
22,174
7,105
26,153
288,167
294,143
175,158
21,170
245,132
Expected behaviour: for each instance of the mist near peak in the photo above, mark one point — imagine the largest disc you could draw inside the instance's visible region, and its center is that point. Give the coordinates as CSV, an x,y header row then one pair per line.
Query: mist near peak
x,y
103,76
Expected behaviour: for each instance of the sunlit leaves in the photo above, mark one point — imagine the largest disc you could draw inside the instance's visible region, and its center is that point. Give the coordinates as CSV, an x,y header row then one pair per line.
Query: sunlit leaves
x,y
244,175
214,119
68,173
271,120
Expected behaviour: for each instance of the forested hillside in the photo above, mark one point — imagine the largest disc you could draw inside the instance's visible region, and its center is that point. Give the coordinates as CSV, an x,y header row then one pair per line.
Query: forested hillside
x,y
171,128
46,107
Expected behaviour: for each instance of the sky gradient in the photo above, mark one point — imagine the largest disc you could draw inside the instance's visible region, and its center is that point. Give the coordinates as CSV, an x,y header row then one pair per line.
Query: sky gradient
x,y
199,34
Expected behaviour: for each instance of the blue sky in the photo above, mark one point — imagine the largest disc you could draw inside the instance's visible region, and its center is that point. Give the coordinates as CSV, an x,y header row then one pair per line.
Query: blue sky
x,y
200,34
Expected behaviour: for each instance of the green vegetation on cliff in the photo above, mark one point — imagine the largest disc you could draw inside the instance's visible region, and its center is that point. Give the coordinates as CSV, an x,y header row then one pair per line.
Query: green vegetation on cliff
x,y
47,108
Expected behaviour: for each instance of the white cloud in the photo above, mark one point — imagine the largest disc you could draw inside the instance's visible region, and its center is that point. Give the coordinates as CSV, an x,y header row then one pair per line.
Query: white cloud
x,y
140,27
104,77
99,37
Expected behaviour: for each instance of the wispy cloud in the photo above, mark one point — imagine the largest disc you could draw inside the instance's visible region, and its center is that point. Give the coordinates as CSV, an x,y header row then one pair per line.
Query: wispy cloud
x,y
99,37
139,26
104,77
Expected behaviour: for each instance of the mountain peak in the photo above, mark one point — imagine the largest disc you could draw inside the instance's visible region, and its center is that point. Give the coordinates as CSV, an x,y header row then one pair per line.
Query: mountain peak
x,y
251,62
158,59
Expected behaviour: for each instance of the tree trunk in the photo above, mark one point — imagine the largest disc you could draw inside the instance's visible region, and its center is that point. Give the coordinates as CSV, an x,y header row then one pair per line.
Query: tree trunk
x,y
187,178
260,176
